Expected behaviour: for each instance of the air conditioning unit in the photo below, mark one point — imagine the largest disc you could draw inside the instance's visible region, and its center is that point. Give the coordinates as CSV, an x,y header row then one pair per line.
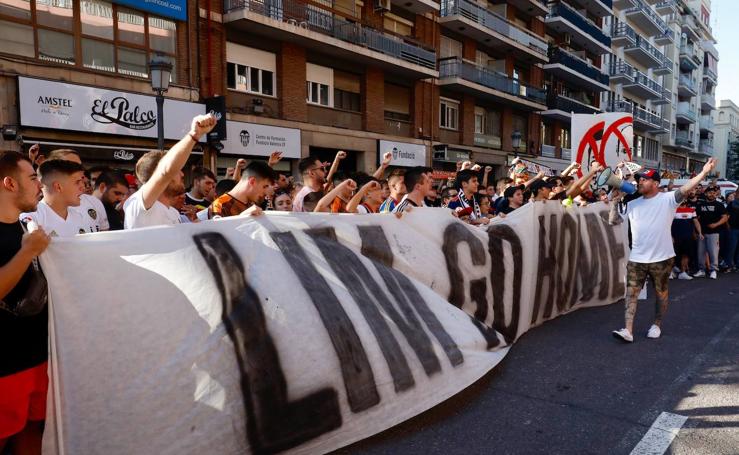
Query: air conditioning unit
x,y
382,5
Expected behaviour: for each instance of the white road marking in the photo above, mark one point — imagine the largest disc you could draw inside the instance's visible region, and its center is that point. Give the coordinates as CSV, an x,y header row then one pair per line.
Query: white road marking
x,y
660,434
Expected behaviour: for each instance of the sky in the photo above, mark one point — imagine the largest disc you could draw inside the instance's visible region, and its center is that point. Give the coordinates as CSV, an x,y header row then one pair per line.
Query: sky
x,y
724,14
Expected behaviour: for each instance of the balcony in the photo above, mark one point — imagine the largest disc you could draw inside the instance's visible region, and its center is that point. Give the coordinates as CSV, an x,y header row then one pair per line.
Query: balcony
x,y
644,87
530,7
690,27
564,19
710,74
622,35
665,38
395,127
685,114
689,58
561,107
646,18
667,7
710,48
417,6
599,8
487,27
482,82
665,67
708,101
623,4
686,86
705,147
573,69
684,141
324,32
666,98
619,106
649,122
548,151
621,72
706,123
644,53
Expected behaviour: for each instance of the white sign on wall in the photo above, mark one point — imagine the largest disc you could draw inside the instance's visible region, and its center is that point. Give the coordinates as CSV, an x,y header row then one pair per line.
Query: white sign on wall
x,y
404,153
261,140
71,107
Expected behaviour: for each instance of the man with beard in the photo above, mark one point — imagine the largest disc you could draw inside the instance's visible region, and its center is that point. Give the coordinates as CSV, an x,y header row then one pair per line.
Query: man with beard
x,y
111,188
712,217
313,172
246,197
652,253
161,177
23,316
202,192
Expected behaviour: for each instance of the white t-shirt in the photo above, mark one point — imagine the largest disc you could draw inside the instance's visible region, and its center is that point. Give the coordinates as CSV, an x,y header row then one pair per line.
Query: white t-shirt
x,y
651,220
93,208
298,201
136,216
56,226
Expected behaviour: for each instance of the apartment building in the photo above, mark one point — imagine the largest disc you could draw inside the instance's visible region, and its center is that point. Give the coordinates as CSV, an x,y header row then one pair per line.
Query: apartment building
x,y
726,134
74,74
640,73
690,142
574,78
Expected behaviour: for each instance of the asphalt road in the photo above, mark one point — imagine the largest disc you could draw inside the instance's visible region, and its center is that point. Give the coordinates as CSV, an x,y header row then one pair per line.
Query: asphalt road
x,y
569,387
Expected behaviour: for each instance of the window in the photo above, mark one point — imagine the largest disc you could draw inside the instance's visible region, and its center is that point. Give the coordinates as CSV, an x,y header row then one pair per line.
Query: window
x,y
397,102
94,34
450,47
397,24
319,84
449,111
318,93
347,91
479,120
250,70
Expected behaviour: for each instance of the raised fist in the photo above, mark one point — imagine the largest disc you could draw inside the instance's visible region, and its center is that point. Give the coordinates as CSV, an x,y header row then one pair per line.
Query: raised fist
x,y
202,124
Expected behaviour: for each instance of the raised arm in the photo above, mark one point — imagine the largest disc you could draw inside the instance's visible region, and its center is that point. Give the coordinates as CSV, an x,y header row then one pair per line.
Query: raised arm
x,y
240,166
324,205
340,155
488,170
380,172
351,207
692,183
578,186
538,176
174,160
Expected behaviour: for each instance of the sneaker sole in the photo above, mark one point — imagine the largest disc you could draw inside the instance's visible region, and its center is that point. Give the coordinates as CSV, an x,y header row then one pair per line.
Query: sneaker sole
x,y
619,337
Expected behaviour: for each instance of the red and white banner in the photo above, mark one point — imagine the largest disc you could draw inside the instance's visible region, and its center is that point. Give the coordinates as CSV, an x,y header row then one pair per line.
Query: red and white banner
x,y
607,138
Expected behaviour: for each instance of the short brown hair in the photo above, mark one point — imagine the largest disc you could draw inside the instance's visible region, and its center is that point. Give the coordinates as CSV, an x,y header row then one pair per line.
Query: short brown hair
x,y
60,154
147,164
9,163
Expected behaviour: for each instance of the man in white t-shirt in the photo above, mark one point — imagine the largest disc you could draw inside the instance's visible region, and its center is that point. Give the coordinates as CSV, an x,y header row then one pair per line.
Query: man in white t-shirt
x,y
652,254
61,188
161,177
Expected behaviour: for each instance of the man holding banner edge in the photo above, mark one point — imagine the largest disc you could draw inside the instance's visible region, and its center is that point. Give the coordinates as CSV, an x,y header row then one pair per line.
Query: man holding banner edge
x,y
652,253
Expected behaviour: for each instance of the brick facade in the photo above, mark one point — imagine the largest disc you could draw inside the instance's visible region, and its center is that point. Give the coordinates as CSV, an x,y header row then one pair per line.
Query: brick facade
x,y
373,100
291,82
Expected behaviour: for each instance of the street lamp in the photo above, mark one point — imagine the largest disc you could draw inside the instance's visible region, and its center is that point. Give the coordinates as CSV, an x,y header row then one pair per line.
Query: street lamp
x,y
516,140
159,73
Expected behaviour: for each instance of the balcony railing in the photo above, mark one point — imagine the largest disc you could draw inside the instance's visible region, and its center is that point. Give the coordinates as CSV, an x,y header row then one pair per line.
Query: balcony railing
x,y
710,73
706,122
683,140
685,110
643,80
312,18
622,30
650,118
666,37
567,104
644,8
558,55
621,68
705,147
619,106
687,82
566,12
494,22
454,67
648,48
691,51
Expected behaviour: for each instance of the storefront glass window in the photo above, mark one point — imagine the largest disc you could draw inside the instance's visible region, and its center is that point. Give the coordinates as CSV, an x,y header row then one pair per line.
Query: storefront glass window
x,y
20,9
132,62
131,27
162,35
55,47
97,18
55,13
16,39
98,55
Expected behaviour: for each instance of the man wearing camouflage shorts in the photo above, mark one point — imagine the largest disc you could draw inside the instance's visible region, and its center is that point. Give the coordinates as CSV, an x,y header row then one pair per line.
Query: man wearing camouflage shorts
x,y
652,254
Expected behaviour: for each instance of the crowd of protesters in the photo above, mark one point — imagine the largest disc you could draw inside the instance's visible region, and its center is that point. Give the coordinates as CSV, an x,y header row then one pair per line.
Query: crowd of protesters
x,y
56,196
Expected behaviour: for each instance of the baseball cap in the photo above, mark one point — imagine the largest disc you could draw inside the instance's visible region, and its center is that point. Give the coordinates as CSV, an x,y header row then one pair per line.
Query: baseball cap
x,y
649,174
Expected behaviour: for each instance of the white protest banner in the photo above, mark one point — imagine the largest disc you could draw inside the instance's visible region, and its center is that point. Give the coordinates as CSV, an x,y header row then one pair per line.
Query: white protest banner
x,y
607,138
72,107
300,332
261,140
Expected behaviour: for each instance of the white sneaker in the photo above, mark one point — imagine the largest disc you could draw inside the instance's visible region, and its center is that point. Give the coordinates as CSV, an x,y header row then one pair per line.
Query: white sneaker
x,y
684,276
713,275
623,335
672,275
700,274
675,270
654,332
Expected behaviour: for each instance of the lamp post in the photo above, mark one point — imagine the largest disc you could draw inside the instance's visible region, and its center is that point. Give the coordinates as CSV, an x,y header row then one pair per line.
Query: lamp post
x,y
159,72
516,141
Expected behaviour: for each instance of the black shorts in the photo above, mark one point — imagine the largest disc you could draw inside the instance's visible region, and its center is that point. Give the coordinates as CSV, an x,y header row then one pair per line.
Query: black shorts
x,y
685,247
